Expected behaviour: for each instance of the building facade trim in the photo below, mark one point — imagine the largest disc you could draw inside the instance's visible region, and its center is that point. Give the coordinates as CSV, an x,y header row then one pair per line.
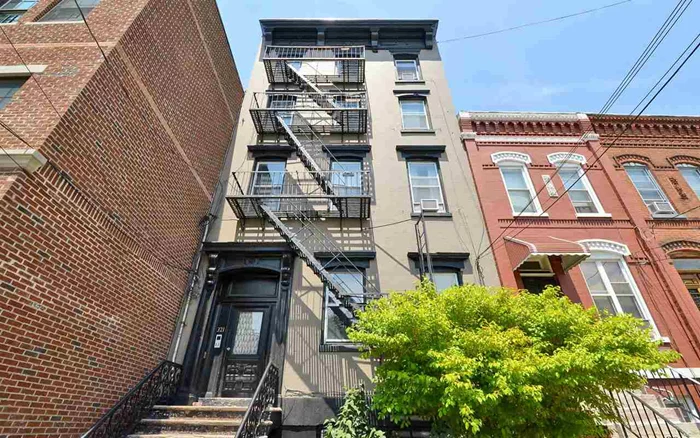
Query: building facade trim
x,y
519,157
566,157
605,245
28,159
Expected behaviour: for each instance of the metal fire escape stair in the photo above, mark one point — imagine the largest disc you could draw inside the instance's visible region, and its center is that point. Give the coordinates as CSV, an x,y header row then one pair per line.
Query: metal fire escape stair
x,y
319,96
309,234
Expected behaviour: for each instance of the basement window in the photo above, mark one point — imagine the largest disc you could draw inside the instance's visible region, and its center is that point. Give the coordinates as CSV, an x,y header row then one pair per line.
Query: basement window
x,y
11,10
69,10
8,87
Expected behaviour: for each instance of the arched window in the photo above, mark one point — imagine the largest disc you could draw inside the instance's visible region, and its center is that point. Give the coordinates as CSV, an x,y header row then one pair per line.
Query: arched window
x,y
521,192
610,281
575,181
691,173
649,190
687,263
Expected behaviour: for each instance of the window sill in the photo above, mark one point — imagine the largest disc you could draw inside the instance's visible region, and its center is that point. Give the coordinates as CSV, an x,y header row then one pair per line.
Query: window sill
x,y
14,23
412,82
669,217
338,348
516,215
431,214
55,22
598,215
418,131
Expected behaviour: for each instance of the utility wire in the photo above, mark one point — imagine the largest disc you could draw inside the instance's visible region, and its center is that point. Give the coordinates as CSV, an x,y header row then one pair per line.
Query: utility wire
x,y
667,24
534,23
629,124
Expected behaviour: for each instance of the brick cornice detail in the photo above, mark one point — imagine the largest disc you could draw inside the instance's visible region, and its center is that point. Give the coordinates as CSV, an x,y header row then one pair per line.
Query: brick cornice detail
x,y
684,159
681,245
632,158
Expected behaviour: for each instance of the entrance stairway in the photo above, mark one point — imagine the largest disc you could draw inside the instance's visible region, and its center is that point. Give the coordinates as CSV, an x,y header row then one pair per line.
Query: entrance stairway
x,y
645,415
208,418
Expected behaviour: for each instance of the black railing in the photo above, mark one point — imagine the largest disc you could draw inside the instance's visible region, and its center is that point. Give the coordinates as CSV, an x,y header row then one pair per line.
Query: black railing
x,y
677,391
157,387
256,422
638,419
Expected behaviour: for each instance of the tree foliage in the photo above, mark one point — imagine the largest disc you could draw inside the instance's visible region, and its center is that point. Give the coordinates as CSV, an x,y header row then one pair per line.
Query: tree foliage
x,y
352,420
497,363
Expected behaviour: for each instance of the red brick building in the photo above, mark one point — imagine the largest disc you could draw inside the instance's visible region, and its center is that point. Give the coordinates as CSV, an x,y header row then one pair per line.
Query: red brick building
x,y
599,241
106,170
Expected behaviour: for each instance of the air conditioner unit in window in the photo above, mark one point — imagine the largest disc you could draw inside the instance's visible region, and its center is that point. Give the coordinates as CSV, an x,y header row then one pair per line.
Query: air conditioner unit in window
x,y
429,205
661,208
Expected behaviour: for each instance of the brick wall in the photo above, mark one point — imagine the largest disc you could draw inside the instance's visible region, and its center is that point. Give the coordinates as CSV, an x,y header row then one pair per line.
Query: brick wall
x,y
96,244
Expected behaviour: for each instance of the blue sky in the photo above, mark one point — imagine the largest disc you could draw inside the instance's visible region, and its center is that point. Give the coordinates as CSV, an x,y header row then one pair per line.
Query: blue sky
x,y
569,65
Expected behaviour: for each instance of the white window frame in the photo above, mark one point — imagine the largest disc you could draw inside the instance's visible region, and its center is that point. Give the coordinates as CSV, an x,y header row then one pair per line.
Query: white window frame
x,y
416,70
696,168
79,13
528,182
589,188
328,297
654,182
422,100
442,208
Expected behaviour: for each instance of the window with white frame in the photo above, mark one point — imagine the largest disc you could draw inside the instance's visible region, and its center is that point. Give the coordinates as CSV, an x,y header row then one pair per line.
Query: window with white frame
x,y
521,192
335,316
652,195
268,182
281,101
8,88
691,173
580,191
11,10
407,70
70,10
414,113
613,288
426,190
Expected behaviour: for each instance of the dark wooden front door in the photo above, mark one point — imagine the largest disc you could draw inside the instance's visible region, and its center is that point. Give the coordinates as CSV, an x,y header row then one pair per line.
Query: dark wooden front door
x,y
245,349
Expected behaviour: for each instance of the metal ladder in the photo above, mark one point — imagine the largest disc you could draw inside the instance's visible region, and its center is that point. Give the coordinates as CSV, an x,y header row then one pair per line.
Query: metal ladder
x,y
319,96
309,235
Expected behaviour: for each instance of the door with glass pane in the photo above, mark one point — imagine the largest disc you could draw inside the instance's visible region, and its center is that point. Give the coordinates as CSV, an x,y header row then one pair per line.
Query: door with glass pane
x,y
268,182
246,346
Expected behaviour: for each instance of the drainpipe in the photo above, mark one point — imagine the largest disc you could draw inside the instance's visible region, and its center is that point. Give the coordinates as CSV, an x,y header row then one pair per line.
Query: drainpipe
x,y
196,265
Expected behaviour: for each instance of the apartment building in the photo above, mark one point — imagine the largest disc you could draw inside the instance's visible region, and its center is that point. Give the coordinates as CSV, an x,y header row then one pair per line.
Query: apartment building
x,y
107,167
346,157
598,205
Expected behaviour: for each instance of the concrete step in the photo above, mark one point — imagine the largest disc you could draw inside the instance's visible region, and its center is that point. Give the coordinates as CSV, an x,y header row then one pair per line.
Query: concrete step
x,y
222,401
660,430
185,411
179,435
187,424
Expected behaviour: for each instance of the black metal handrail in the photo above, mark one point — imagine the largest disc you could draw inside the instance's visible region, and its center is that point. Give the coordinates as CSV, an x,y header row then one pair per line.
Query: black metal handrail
x,y
157,387
256,421
640,420
676,390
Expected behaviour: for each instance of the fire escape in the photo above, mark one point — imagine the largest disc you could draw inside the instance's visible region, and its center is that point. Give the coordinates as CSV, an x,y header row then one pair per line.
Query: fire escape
x,y
310,108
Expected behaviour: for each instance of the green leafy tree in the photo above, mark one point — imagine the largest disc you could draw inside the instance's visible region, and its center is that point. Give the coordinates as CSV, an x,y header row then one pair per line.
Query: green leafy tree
x,y
491,362
352,420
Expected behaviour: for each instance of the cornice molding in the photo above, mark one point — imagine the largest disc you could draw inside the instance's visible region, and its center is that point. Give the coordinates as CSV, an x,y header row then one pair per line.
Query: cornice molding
x,y
525,139
605,245
522,116
520,157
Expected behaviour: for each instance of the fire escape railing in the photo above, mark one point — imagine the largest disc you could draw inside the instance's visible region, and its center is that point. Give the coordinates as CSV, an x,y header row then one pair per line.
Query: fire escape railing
x,y
676,390
157,387
321,64
327,112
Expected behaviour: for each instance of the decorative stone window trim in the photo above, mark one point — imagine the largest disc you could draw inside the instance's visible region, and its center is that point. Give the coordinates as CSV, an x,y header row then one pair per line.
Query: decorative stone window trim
x,y
559,157
414,152
519,157
28,159
20,70
633,158
681,245
605,245
684,159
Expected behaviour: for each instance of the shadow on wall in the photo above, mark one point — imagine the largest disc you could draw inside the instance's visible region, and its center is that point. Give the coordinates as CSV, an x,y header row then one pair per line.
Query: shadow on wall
x,y
314,372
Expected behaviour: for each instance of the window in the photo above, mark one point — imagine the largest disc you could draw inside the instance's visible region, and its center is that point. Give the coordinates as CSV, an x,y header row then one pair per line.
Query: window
x,y
407,70
580,190
692,176
67,10
414,114
11,10
612,288
688,268
426,191
336,320
8,87
268,180
346,177
350,102
445,280
281,101
520,190
648,189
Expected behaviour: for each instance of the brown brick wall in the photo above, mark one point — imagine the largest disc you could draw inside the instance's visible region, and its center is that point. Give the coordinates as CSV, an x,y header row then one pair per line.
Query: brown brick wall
x,y
96,243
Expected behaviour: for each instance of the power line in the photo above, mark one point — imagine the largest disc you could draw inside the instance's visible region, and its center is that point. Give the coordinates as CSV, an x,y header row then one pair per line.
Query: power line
x,y
666,25
534,23
629,124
